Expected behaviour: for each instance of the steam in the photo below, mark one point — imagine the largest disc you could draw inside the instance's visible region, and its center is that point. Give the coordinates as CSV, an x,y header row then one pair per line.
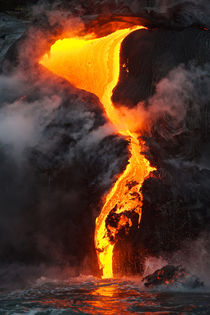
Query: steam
x,y
177,135
152,264
181,107
172,12
169,12
179,104
184,90
194,256
22,123
58,18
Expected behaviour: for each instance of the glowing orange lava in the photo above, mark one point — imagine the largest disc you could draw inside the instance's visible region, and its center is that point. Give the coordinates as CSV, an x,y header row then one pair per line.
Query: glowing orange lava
x,y
93,64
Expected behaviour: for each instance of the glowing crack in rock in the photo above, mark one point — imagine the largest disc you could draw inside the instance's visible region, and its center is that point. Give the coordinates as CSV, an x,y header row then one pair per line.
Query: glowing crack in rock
x,y
93,64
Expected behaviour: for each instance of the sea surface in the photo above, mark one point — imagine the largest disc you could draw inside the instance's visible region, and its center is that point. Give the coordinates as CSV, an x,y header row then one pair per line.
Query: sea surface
x,y
87,295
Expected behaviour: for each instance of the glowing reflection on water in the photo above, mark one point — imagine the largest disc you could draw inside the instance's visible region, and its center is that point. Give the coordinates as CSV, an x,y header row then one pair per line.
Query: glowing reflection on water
x,y
102,297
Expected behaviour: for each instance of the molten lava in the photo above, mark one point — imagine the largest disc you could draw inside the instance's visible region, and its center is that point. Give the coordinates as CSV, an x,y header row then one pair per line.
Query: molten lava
x,y
93,64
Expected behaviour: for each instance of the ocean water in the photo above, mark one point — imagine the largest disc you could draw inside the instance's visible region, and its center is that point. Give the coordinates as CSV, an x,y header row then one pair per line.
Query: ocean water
x,y
87,295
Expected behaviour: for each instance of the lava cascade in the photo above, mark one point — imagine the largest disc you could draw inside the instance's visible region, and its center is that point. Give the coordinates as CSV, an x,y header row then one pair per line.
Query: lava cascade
x,y
93,64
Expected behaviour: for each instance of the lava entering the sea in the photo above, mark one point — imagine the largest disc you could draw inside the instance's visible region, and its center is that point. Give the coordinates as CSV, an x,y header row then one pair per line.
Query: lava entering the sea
x,y
93,64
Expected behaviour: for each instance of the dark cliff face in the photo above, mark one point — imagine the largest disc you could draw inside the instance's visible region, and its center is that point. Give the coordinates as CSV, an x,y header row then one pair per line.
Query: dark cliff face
x,y
166,74
58,157
151,54
56,170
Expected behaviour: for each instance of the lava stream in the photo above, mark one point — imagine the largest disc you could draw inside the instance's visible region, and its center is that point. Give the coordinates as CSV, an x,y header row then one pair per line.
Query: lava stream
x,y
93,64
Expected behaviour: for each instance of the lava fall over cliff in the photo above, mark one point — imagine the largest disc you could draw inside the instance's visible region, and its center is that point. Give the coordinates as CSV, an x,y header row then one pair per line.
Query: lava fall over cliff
x,y
93,64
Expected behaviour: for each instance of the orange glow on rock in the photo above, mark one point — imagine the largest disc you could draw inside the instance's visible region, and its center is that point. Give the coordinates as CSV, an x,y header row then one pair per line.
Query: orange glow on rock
x,y
93,64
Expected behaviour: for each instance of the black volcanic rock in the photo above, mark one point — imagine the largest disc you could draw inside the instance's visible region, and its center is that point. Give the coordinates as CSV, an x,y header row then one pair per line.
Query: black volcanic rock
x,y
176,207
150,55
11,29
171,275
54,175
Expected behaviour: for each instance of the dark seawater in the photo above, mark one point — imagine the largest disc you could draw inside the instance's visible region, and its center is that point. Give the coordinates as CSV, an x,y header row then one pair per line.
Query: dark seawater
x,y
86,295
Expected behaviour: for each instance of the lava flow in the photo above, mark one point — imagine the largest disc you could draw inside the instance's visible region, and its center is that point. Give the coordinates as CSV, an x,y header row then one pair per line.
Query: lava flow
x,y
93,64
